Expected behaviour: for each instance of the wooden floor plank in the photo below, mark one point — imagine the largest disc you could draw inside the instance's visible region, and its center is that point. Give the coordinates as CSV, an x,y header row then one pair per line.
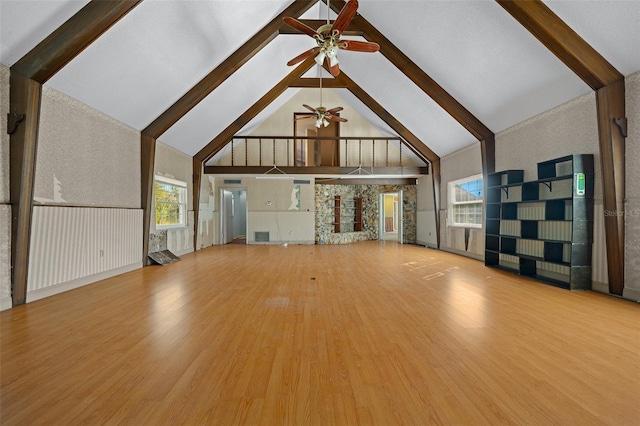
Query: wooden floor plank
x,y
367,333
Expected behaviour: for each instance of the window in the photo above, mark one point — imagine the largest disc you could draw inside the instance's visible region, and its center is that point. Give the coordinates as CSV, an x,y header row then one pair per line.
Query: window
x,y
171,202
465,202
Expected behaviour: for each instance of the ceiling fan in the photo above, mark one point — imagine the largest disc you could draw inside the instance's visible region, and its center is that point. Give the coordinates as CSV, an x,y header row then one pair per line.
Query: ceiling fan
x,y
328,38
321,114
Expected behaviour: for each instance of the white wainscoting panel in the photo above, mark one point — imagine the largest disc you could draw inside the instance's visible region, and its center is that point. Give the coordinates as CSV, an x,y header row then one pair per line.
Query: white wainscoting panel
x,y
5,257
599,270
74,243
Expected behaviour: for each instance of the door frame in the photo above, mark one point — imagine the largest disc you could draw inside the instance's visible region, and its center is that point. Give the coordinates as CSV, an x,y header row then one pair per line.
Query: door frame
x,y
223,215
381,215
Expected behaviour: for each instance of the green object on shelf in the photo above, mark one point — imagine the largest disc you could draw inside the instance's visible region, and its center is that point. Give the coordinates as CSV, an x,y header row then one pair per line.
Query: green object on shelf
x,y
580,184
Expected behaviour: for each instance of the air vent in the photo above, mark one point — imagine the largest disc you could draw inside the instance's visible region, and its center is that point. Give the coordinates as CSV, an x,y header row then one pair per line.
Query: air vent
x,y
301,182
232,181
261,236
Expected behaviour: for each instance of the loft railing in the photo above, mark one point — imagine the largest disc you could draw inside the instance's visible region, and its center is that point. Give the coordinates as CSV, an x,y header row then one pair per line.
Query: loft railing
x,y
294,151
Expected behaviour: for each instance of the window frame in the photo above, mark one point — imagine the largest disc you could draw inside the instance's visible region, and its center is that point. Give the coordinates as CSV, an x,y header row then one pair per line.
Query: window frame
x,y
452,202
182,204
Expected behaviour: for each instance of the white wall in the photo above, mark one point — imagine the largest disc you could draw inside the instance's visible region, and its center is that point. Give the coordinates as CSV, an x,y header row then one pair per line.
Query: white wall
x,y
277,206
174,164
426,214
458,165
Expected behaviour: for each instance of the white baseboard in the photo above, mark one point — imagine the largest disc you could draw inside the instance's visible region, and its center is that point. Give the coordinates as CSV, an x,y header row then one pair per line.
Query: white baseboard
x,y
41,293
424,243
183,252
6,303
600,287
463,253
631,294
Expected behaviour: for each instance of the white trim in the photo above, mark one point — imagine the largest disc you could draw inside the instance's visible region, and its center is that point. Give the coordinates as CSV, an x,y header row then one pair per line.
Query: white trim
x,y
468,254
600,287
175,182
451,202
41,293
631,294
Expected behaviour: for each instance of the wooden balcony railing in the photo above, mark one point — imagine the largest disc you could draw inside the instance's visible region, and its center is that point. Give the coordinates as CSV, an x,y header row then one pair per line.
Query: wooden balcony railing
x,y
292,151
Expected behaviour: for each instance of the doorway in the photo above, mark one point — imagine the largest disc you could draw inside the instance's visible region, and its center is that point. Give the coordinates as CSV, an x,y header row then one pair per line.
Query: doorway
x,y
233,216
316,151
391,222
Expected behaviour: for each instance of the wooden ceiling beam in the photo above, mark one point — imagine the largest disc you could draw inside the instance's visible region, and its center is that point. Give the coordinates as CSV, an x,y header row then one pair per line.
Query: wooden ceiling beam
x,y
26,78
72,37
223,71
193,97
312,82
420,78
419,147
562,41
609,85
225,136
351,29
367,181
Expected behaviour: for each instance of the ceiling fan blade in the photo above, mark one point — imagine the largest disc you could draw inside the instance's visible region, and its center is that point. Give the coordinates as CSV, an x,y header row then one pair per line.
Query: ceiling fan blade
x,y
359,46
334,110
336,118
334,70
294,23
309,108
344,17
304,55
302,117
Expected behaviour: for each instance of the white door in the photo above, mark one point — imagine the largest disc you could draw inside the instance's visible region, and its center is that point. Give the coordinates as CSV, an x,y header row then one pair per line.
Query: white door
x,y
226,217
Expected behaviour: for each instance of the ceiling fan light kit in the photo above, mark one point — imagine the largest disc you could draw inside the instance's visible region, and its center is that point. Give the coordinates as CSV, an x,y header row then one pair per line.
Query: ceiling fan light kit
x,y
328,39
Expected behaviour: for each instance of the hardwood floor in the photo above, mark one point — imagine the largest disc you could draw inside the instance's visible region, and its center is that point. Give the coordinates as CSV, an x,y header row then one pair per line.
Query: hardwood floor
x,y
368,333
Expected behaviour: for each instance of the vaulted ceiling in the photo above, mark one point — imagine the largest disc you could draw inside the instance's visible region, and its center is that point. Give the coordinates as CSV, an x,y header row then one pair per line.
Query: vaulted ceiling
x,y
475,50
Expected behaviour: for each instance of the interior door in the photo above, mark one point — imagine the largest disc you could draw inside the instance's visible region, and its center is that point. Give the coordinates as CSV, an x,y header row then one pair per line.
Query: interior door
x,y
328,150
226,217
316,151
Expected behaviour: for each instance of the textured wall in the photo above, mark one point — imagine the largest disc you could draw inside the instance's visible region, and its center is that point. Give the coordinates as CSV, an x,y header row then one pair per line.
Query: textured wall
x,y
461,164
5,208
632,208
571,128
4,137
85,158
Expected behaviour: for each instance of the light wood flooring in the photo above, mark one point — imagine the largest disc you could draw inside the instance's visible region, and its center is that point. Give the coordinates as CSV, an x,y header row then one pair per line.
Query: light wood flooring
x,y
367,333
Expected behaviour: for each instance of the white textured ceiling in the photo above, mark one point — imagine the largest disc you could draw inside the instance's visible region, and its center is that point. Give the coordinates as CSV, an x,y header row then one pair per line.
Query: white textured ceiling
x,y
473,49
